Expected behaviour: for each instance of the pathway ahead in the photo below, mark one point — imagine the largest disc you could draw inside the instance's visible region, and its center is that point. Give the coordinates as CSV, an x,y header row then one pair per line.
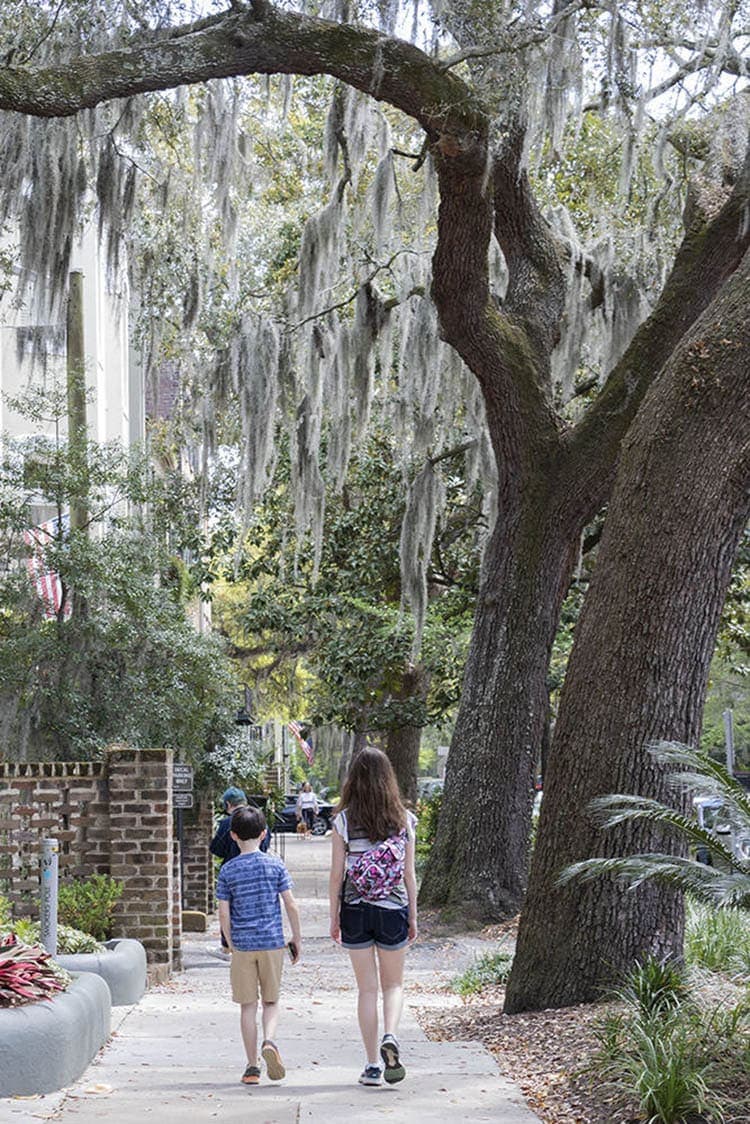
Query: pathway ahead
x,y
176,1057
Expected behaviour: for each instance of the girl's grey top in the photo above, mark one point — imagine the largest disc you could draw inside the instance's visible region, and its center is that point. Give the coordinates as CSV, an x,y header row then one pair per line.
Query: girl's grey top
x,y
357,843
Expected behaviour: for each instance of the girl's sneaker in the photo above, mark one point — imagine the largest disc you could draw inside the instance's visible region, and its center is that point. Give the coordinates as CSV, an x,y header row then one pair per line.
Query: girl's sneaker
x,y
371,1075
389,1052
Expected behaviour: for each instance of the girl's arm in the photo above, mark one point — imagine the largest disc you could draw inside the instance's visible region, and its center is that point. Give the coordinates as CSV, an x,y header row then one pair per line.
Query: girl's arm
x,y
410,881
335,882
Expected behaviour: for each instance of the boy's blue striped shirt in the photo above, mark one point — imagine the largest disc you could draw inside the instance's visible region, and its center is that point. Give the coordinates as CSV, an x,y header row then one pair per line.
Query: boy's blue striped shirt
x,y
251,883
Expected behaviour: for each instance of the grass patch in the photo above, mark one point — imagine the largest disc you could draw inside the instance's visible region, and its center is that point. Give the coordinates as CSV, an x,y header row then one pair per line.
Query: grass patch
x,y
718,939
675,1059
488,969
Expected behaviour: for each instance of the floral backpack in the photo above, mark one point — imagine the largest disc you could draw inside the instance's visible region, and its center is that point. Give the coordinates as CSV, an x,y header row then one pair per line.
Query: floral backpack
x,y
375,873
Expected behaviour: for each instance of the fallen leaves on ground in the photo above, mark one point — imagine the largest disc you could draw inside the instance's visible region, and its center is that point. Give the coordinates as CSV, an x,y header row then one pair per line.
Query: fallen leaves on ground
x,y
551,1054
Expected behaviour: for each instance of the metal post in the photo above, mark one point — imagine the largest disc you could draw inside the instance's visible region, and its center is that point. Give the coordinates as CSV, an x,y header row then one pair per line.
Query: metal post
x,y
181,844
728,717
48,903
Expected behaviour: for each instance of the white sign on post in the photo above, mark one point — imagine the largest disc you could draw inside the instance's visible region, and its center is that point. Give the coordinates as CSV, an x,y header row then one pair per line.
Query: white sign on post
x,y
182,778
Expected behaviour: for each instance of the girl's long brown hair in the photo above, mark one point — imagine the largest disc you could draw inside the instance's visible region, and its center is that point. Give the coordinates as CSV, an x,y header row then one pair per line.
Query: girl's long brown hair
x,y
370,795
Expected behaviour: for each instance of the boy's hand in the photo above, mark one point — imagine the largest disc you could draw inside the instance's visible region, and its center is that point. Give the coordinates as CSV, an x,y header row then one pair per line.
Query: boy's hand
x,y
295,949
336,930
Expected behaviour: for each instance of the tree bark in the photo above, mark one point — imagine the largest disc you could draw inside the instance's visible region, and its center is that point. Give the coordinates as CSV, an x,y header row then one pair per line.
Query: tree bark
x,y
478,863
639,666
402,746
402,742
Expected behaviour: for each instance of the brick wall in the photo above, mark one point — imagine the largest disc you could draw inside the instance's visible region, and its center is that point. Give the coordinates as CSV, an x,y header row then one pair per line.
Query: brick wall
x,y
112,817
67,801
198,866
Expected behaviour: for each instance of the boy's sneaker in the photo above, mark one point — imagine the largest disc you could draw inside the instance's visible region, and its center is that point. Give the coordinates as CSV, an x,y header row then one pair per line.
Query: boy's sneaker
x,y
251,1076
272,1058
371,1075
394,1071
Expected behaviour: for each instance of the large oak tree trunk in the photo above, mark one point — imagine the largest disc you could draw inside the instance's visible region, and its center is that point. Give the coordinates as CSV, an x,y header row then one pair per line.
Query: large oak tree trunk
x,y
479,860
640,660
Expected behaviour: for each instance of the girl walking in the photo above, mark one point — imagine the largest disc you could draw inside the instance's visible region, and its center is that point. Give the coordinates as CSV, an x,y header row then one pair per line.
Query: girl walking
x,y
373,901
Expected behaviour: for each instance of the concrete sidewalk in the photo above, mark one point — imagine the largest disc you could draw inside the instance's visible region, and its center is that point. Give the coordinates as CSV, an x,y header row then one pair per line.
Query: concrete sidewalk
x,y
177,1055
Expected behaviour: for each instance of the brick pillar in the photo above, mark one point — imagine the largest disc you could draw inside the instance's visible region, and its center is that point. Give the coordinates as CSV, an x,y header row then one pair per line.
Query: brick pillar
x,y
142,850
198,829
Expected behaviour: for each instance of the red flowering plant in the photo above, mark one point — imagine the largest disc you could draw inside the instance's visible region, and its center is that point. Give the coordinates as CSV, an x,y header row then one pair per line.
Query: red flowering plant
x,y
27,973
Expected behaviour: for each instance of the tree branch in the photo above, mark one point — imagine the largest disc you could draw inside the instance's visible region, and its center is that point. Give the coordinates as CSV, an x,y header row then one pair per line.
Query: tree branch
x,y
517,44
417,290
259,40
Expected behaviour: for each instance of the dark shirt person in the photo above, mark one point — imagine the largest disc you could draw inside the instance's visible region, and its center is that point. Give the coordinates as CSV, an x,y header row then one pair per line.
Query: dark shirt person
x,y
224,847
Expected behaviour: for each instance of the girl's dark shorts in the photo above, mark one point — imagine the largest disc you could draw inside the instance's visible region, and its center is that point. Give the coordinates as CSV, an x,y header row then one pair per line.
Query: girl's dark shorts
x,y
364,925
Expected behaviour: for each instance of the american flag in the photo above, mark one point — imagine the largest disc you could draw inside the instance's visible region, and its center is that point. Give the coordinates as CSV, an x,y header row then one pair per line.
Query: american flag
x,y
305,746
46,582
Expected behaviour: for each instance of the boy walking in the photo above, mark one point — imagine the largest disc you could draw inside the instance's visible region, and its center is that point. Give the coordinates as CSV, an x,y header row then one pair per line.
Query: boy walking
x,y
248,889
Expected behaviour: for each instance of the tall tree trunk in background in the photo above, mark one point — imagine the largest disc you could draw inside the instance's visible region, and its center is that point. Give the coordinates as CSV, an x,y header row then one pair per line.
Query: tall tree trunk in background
x,y
402,747
76,392
479,859
402,742
639,665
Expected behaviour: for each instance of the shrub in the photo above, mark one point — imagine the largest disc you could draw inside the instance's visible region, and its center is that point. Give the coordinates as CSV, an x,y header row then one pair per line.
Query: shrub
x,y
667,1069
89,904
654,987
69,940
666,1052
488,969
428,812
718,940
5,912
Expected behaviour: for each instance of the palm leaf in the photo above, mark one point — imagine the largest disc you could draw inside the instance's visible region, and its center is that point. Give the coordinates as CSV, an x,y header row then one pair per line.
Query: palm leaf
x,y
703,773
705,883
609,811
726,887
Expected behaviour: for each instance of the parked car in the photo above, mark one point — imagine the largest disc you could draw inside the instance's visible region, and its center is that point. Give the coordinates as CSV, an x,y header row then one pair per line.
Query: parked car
x,y
427,787
286,817
708,812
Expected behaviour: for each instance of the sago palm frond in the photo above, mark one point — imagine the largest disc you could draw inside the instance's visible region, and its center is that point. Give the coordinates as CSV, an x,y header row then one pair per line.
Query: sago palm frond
x,y
608,811
702,774
726,884
704,883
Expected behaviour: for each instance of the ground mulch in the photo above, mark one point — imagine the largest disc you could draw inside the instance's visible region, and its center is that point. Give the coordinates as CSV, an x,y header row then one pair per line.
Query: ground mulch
x,y
552,1055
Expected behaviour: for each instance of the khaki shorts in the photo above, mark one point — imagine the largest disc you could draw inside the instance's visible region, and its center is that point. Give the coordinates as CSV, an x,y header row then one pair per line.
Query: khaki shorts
x,y
254,973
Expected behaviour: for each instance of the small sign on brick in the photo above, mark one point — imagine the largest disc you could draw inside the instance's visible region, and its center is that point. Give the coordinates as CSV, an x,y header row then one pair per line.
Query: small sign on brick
x,y
182,799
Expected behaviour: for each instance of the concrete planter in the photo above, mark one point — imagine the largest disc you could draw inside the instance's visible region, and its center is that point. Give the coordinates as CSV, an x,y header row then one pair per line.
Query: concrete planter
x,y
48,1044
123,968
